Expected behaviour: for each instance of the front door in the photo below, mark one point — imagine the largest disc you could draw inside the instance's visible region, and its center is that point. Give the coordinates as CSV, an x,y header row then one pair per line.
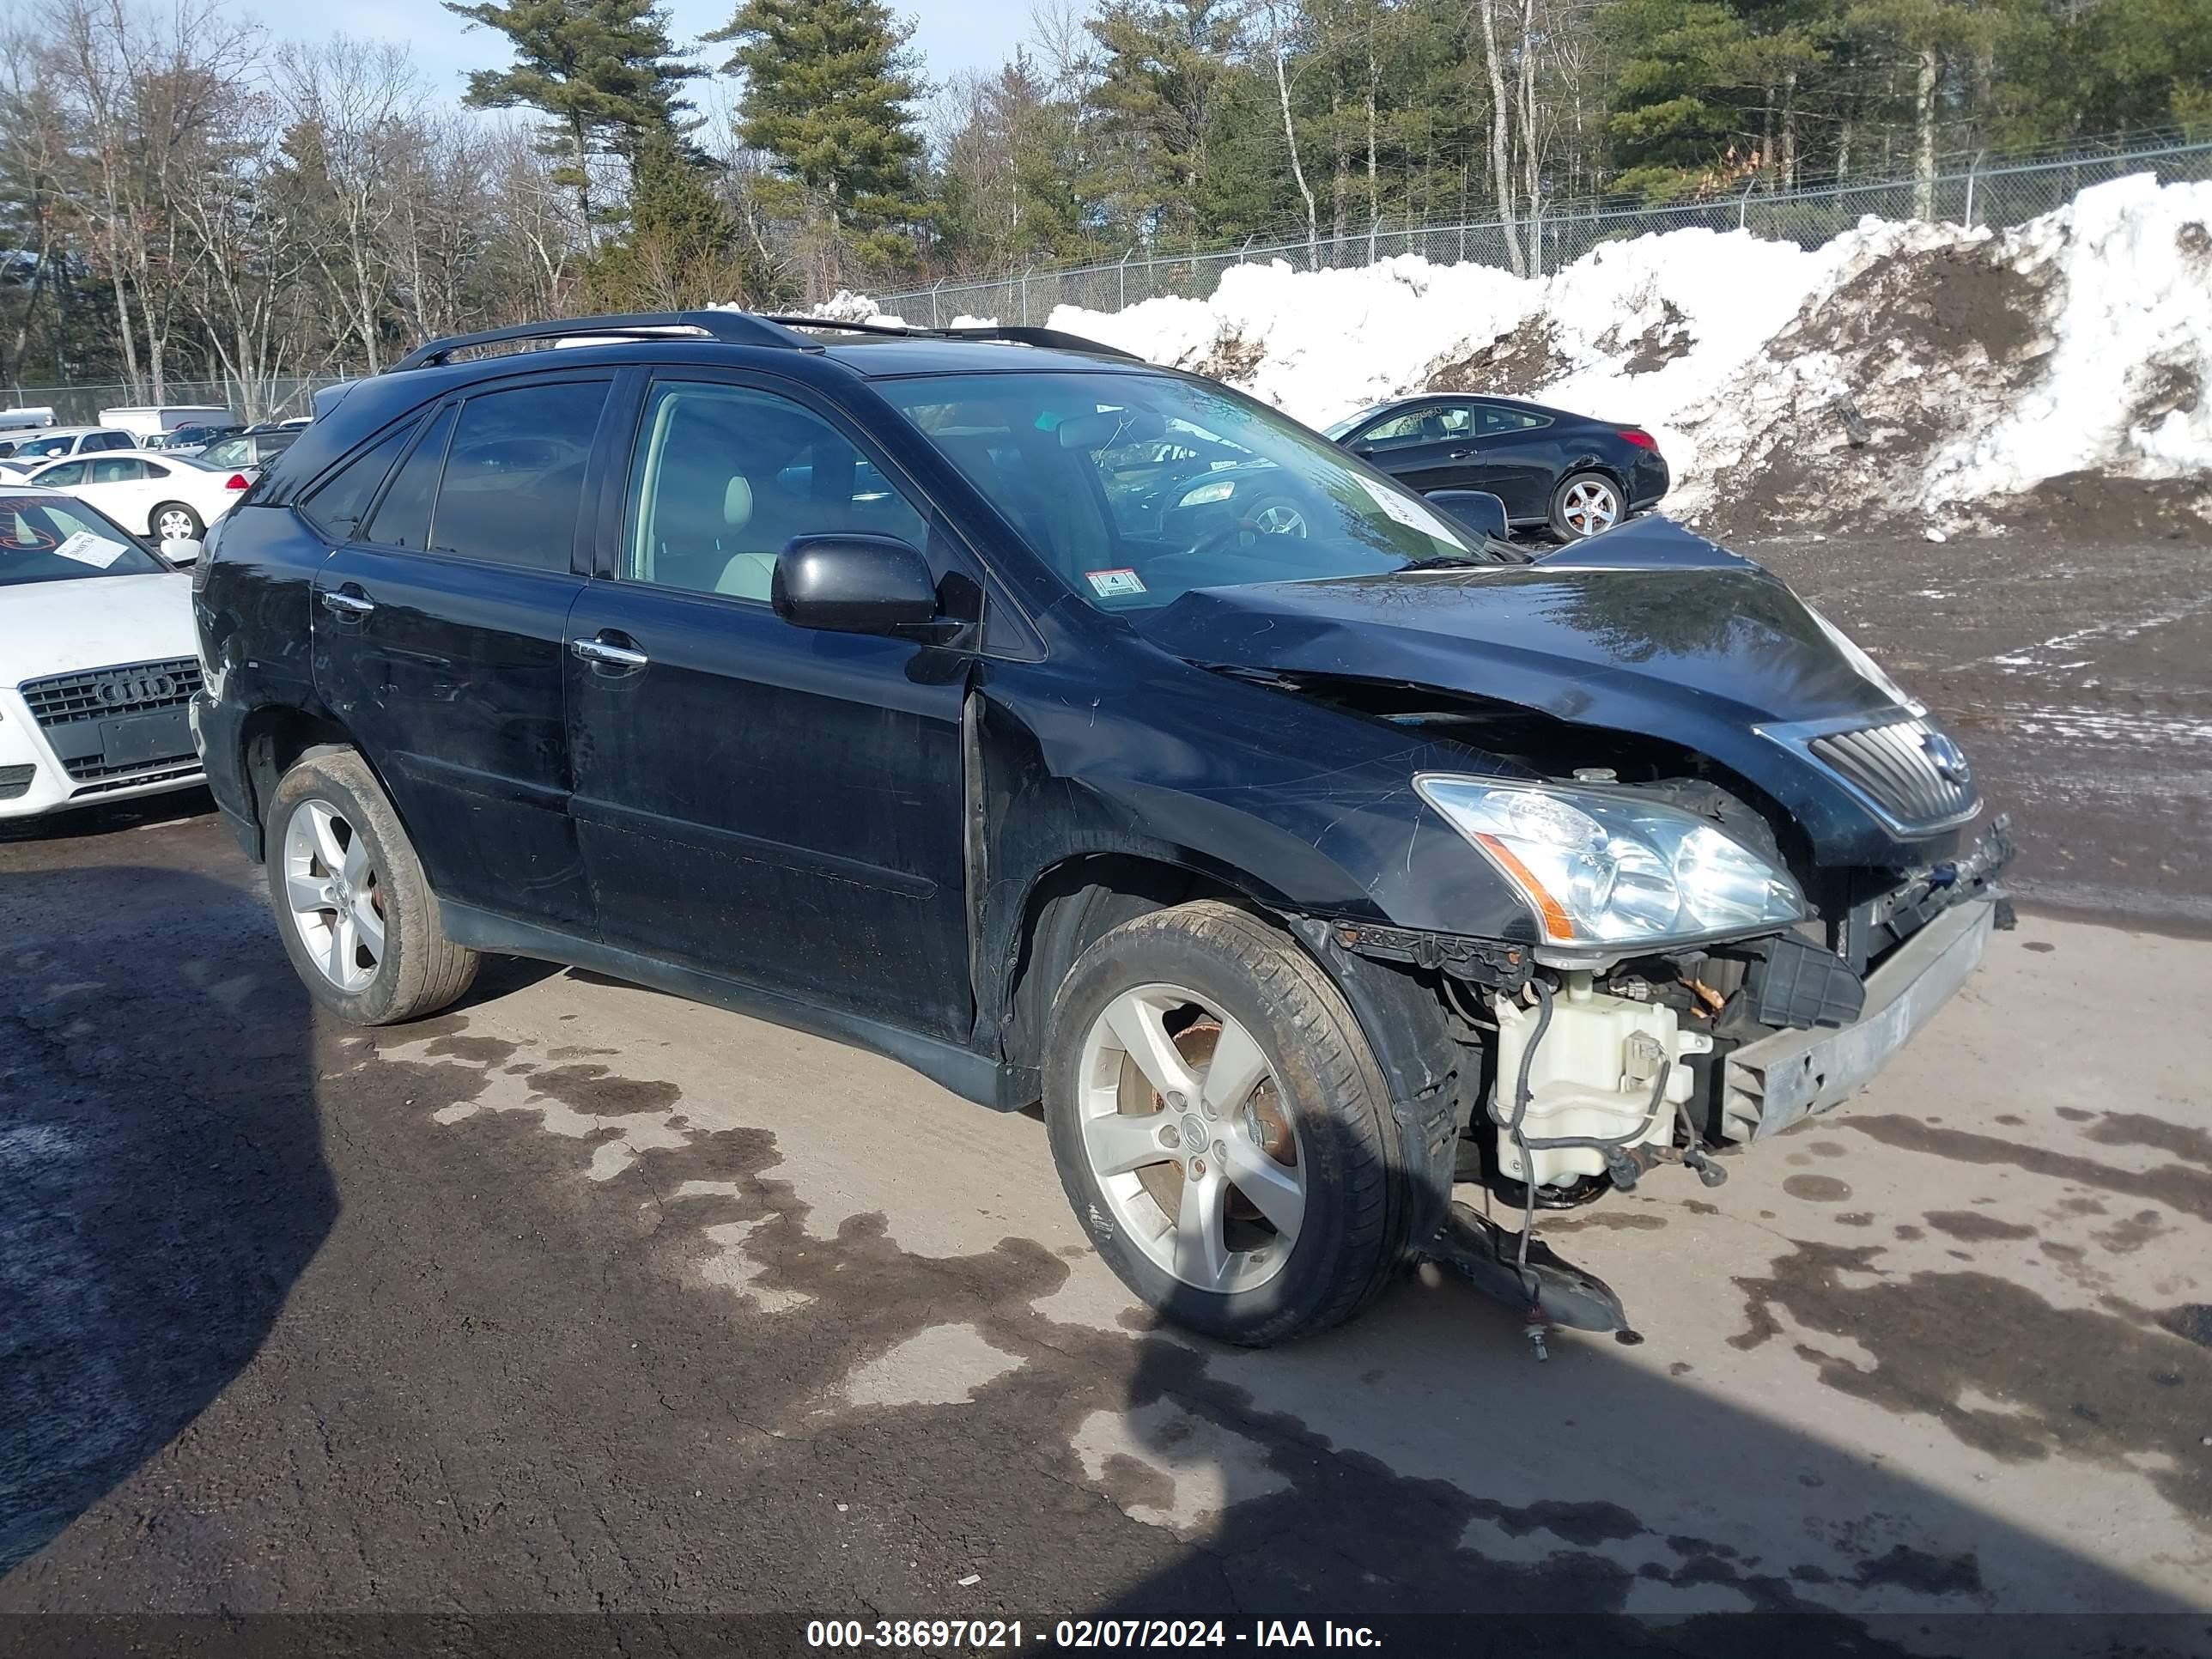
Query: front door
x,y
777,805
439,628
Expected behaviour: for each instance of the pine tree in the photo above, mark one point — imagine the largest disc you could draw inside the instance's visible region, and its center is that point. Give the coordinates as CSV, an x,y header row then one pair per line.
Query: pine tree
x,y
684,247
827,87
1165,63
604,70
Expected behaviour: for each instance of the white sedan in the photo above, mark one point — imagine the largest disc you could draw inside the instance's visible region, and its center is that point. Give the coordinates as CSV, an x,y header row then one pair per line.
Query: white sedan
x,y
169,498
99,660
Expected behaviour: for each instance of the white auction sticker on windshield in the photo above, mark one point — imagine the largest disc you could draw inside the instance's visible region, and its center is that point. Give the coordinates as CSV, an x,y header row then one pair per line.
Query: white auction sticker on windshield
x,y
95,550
1410,513
1113,584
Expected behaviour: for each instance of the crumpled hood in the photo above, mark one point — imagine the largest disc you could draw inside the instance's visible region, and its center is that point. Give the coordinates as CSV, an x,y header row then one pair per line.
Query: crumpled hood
x,y
101,621
1648,628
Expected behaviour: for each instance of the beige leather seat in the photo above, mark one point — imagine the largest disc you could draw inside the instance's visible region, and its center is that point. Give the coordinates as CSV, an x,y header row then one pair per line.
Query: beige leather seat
x,y
747,575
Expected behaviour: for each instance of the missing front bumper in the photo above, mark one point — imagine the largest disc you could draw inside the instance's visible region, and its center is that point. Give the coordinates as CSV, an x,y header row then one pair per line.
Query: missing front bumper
x,y
1771,1083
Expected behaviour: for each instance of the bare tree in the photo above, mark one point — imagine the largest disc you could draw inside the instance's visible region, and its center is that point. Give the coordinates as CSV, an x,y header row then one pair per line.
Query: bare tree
x,y
143,88
352,107
1275,50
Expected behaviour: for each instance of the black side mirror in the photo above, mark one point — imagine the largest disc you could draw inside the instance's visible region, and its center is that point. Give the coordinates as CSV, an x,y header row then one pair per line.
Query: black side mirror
x,y
853,584
1473,509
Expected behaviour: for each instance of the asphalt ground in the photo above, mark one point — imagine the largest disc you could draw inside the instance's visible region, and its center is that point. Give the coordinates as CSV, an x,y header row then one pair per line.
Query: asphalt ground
x,y
584,1301
2079,679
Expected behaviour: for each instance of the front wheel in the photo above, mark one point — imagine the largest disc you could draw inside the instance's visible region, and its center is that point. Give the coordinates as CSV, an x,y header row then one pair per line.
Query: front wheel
x,y
358,915
1221,1126
1585,505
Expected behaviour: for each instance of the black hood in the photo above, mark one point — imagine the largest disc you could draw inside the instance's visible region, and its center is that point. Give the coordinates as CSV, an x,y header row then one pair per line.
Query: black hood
x,y
1648,629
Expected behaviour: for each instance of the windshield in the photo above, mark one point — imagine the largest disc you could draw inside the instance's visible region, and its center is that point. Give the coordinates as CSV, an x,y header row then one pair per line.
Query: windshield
x,y
39,448
46,539
1335,430
1137,489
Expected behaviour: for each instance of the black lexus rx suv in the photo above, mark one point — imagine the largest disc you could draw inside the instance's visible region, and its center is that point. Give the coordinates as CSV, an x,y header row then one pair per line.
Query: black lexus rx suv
x,y
870,681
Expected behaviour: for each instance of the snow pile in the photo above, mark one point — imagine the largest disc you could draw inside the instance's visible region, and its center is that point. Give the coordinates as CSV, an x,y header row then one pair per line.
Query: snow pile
x,y
1919,372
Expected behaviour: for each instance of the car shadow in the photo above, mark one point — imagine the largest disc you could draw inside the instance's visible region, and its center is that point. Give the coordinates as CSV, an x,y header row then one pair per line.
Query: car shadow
x,y
1420,1472
163,1192
105,817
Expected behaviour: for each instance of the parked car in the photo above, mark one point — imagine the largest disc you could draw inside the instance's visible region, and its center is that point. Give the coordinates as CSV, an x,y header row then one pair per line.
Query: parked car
x,y
839,681
248,452
175,497
192,440
1572,475
151,424
56,442
97,659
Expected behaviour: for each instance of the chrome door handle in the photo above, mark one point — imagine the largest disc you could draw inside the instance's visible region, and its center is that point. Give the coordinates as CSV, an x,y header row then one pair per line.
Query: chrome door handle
x,y
348,604
1459,454
612,656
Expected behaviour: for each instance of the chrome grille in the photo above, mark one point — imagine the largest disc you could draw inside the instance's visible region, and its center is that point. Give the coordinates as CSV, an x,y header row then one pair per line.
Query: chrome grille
x,y
129,777
1909,768
101,693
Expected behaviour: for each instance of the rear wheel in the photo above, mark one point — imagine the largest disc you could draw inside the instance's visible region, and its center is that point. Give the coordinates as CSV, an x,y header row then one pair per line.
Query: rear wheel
x,y
1221,1127
358,915
174,521
1585,505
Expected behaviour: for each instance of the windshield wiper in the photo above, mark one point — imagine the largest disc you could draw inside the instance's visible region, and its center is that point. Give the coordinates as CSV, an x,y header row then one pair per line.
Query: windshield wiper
x,y
1492,553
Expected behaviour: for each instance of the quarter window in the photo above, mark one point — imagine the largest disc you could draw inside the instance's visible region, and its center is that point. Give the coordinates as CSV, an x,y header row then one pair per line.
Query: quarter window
x,y
725,475
340,501
402,517
514,475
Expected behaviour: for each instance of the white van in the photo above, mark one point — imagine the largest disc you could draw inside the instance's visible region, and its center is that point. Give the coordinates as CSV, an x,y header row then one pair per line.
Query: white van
x,y
151,420
28,419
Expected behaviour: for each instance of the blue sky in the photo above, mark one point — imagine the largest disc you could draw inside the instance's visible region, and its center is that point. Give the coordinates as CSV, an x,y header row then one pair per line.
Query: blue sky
x,y
953,34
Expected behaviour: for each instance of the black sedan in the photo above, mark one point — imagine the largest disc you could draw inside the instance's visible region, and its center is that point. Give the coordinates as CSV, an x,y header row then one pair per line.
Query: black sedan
x,y
1567,472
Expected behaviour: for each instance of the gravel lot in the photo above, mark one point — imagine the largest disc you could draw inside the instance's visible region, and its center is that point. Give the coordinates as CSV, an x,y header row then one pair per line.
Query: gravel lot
x,y
2080,680
585,1299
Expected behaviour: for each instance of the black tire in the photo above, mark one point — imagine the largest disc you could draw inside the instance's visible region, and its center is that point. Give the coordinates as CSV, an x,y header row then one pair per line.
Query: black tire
x,y
1565,511
419,969
153,521
1359,1203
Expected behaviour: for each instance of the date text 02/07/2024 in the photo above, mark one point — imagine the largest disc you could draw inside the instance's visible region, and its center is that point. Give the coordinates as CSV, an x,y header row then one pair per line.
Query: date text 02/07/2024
x,y
970,1634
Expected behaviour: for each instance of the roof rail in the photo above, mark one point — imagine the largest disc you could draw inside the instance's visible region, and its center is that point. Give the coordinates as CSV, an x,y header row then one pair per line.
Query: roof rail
x,y
1051,339
729,327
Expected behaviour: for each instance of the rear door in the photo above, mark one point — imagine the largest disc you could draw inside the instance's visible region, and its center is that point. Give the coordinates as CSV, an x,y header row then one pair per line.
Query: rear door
x,y
118,486
779,805
440,629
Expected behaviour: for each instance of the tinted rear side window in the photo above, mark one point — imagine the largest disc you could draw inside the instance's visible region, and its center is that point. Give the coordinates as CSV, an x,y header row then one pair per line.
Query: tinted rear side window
x,y
338,503
514,475
402,517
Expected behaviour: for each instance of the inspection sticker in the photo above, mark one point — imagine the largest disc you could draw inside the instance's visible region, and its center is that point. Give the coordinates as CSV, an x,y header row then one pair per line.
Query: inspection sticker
x,y
1113,584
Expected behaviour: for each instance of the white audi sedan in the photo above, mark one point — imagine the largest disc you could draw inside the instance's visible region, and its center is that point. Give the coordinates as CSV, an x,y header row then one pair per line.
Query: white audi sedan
x,y
166,497
98,658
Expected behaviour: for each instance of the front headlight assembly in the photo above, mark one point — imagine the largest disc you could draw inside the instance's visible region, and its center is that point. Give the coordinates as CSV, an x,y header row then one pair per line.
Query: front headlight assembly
x,y
1602,872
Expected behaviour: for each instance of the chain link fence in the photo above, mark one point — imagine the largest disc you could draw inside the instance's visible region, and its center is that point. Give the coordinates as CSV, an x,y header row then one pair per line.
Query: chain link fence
x,y
272,399
1996,194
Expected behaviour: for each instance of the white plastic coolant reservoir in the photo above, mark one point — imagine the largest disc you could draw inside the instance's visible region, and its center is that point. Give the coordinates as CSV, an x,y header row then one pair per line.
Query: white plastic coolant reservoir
x,y
1591,1077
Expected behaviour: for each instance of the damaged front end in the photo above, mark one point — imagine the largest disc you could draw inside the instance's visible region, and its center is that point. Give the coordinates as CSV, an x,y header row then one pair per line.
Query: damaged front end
x,y
1737,855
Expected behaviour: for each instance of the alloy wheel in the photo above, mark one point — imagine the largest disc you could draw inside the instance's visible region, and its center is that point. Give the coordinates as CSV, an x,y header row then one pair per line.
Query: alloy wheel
x,y
1279,519
335,895
173,525
1184,1129
1590,506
